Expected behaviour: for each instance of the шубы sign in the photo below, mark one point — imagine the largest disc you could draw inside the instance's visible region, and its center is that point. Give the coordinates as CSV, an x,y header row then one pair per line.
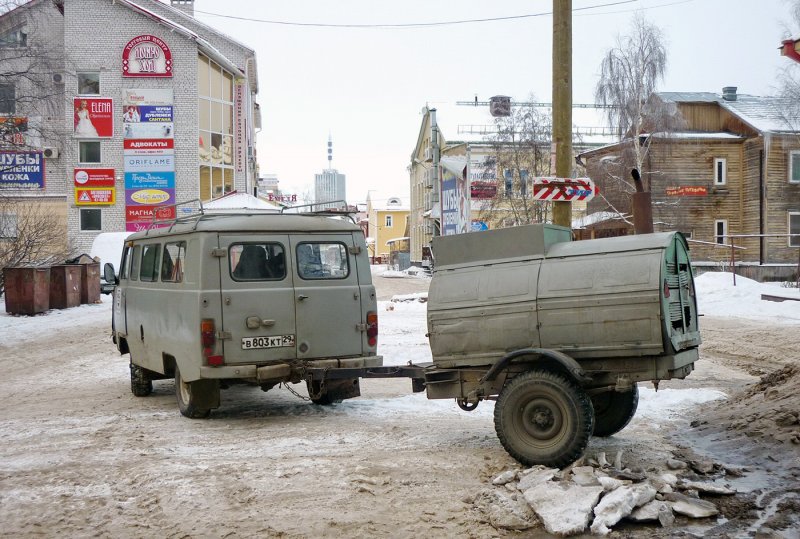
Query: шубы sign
x,y
21,170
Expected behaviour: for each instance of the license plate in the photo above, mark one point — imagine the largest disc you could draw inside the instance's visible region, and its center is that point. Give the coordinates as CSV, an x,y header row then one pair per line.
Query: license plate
x,y
277,341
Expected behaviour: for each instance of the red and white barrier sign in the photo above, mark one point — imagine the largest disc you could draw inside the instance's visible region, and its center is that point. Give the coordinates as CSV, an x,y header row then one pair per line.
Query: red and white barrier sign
x,y
564,189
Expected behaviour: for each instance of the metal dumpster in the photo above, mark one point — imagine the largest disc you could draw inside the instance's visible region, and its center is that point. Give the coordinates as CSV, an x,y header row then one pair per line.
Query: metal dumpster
x,y
27,290
90,282
65,286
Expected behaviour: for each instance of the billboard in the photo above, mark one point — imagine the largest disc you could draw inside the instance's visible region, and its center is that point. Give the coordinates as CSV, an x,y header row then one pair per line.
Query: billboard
x,y
21,170
93,117
454,196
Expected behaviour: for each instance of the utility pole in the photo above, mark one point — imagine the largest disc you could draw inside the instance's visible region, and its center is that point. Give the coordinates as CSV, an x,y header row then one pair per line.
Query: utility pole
x,y
562,103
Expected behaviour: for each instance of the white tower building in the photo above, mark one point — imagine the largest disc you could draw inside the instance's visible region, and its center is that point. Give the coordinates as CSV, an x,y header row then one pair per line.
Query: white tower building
x,y
329,185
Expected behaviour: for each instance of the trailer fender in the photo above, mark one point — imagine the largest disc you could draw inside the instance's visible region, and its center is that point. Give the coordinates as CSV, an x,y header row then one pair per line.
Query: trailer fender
x,y
568,365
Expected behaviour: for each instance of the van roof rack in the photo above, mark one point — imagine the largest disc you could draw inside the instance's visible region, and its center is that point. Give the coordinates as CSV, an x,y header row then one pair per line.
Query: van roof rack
x,y
339,209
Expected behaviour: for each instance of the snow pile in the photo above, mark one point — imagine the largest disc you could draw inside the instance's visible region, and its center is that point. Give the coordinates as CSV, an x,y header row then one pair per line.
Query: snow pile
x,y
717,296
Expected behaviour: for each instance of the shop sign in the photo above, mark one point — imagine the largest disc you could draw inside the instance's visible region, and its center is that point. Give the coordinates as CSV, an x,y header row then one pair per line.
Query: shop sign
x,y
272,197
21,170
145,213
687,191
147,96
146,56
13,131
94,177
93,117
149,180
240,143
149,163
149,146
94,196
148,130
149,197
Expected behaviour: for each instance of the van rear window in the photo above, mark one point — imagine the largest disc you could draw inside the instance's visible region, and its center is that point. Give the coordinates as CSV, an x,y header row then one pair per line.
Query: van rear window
x,y
257,261
322,261
149,270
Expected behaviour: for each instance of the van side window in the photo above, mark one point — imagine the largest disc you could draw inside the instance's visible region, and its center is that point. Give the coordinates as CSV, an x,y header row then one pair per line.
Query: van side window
x,y
126,262
135,263
149,271
257,261
173,261
322,261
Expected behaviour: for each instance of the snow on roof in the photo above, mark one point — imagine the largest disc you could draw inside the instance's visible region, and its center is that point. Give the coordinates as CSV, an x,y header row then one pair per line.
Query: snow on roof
x,y
765,114
239,201
596,218
698,135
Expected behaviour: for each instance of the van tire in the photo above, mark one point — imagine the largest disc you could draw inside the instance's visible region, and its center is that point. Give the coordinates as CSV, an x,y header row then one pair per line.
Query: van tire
x,y
141,383
191,394
543,418
614,410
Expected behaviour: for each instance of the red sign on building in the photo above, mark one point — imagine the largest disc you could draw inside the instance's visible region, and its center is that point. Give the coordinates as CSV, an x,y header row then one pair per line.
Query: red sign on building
x,y
687,191
94,196
94,177
146,56
94,117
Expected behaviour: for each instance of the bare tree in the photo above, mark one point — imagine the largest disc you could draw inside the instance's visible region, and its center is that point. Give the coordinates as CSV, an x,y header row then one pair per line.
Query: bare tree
x,y
520,152
789,78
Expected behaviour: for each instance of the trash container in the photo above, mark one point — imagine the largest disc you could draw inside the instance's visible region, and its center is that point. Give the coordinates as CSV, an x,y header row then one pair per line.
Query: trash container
x,y
27,290
90,283
65,286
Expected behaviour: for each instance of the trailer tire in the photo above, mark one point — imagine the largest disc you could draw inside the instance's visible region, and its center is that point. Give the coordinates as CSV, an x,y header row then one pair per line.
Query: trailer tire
x,y
194,397
141,382
543,418
614,410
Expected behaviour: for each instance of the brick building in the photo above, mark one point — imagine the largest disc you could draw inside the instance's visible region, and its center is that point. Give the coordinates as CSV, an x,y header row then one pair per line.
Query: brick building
x,y
138,105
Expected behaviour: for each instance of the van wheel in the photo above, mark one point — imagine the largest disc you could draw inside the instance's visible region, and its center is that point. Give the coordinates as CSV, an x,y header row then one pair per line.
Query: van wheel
x,y
543,418
613,410
196,399
141,383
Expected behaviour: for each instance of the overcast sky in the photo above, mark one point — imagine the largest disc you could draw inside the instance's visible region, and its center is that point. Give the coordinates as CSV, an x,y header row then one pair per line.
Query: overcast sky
x,y
366,86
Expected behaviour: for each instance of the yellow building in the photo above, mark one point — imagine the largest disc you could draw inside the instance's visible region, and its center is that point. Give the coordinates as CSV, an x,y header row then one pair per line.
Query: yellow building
x,y
387,217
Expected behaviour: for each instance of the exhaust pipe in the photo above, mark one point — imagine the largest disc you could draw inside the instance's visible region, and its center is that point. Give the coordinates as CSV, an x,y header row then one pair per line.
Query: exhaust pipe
x,y
642,206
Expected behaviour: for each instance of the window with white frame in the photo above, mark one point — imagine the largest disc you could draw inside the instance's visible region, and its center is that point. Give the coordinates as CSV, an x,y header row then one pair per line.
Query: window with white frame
x,y
794,228
88,83
720,171
388,221
8,226
720,231
794,166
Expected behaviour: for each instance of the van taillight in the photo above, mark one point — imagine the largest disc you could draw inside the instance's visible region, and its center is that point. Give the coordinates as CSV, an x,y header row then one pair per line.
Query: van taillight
x,y
666,289
208,339
372,328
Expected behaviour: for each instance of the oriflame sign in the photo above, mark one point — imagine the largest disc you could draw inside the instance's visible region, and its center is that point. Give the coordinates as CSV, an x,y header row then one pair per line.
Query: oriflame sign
x,y
564,189
146,56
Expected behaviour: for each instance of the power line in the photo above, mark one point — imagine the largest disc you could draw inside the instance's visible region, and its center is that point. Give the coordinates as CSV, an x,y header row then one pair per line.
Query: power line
x,y
413,24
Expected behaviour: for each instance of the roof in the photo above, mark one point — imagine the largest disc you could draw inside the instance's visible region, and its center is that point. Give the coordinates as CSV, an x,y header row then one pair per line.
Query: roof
x,y
251,223
618,244
764,114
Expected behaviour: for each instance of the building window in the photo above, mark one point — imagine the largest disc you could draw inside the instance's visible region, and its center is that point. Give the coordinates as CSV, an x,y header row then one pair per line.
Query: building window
x,y
7,99
88,83
720,171
794,228
509,181
794,166
523,182
89,151
8,226
720,231
215,116
388,221
14,38
90,219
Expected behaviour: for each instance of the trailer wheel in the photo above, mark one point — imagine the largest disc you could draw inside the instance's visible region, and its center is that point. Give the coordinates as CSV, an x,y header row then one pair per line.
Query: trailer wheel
x,y
613,410
543,418
195,399
141,383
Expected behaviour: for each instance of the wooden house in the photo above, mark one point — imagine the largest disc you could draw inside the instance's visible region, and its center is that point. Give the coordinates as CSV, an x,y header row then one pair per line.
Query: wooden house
x,y
730,175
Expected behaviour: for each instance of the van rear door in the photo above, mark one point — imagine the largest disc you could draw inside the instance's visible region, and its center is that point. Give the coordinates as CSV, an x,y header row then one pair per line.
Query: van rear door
x,y
258,302
328,298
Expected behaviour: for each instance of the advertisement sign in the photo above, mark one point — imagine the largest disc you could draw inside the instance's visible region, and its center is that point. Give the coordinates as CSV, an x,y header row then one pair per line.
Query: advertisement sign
x,y
150,96
94,196
482,178
13,131
145,213
148,130
146,56
149,197
94,177
454,196
149,180
149,163
687,191
478,226
94,117
21,170
149,146
239,142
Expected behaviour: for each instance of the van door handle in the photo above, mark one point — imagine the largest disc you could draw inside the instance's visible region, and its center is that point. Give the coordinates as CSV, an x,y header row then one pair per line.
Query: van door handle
x,y
301,297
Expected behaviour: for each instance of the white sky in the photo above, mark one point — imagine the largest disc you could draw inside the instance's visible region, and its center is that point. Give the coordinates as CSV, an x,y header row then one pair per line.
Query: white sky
x,y
367,86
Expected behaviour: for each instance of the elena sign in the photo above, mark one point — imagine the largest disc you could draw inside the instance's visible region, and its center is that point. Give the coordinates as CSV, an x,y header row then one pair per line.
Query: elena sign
x,y
146,56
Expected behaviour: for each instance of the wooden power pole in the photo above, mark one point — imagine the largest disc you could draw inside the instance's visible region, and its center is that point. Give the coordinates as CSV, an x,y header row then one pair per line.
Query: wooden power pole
x,y
562,102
